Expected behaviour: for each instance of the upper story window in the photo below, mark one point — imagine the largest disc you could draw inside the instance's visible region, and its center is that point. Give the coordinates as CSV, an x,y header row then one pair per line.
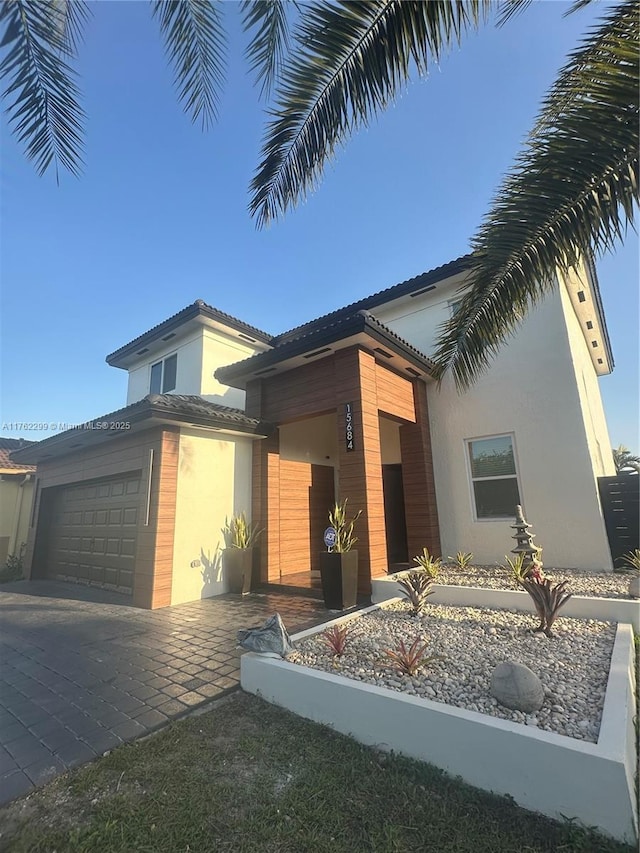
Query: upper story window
x,y
494,478
163,375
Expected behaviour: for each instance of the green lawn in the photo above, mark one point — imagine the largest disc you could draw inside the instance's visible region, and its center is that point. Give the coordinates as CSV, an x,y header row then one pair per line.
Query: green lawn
x,y
249,778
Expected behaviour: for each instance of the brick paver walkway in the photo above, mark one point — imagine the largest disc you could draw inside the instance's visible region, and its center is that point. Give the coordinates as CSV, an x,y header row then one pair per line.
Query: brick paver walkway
x,y
81,671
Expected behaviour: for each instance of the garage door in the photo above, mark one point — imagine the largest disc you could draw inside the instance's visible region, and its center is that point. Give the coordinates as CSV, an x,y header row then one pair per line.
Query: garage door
x,y
93,532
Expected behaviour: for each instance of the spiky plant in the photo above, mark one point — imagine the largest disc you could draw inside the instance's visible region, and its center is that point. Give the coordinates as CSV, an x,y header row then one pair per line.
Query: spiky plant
x,y
336,638
430,565
462,560
416,586
632,559
408,660
239,533
345,540
548,599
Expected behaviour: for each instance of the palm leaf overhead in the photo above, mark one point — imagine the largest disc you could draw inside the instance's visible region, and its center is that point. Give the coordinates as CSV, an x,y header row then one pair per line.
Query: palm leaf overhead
x,y
574,189
195,43
270,42
43,99
350,59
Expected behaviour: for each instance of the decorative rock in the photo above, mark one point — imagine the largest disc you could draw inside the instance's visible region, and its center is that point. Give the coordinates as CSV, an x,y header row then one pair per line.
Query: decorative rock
x,y
271,638
516,687
634,587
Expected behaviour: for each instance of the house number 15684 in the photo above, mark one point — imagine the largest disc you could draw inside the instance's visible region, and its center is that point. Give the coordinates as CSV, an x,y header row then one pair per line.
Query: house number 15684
x,y
348,426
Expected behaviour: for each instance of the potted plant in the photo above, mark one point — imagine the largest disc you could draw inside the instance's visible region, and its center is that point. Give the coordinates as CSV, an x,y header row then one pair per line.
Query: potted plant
x,y
240,539
339,564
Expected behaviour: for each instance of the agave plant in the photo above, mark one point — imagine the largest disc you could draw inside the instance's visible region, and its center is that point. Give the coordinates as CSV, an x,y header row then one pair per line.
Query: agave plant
x,y
416,587
521,572
409,660
462,560
336,638
632,559
345,540
430,565
239,533
548,599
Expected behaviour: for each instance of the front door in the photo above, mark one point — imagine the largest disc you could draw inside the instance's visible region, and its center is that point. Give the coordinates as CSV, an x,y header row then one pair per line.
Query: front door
x,y
396,525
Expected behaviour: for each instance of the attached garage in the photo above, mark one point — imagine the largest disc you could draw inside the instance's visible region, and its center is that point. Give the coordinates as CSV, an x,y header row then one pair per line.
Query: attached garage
x,y
93,532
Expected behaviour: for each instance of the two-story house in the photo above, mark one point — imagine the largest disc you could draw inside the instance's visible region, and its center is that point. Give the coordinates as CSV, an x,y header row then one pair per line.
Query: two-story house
x,y
222,417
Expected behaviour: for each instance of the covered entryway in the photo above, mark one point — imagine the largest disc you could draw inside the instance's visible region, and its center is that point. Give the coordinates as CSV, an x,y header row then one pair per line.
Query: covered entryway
x,y
93,532
349,397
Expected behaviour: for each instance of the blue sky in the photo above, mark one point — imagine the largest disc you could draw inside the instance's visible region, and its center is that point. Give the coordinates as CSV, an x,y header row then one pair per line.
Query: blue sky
x,y
159,217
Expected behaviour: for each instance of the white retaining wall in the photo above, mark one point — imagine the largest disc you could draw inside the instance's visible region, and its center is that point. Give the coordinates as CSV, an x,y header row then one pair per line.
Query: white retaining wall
x,y
542,771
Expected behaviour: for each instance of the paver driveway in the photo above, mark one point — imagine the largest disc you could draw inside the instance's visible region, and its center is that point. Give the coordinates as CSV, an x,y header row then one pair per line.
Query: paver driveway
x,y
81,671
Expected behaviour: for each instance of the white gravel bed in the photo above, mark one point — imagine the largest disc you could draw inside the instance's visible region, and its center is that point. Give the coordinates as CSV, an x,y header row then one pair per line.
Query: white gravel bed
x,y
596,584
573,666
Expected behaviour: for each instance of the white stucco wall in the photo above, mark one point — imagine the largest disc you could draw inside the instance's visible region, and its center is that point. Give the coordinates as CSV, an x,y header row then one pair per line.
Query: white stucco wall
x,y
217,351
530,392
16,499
214,481
200,352
188,373
313,440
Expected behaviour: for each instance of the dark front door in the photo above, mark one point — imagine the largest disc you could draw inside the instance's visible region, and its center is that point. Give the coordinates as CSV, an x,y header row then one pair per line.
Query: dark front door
x,y
396,525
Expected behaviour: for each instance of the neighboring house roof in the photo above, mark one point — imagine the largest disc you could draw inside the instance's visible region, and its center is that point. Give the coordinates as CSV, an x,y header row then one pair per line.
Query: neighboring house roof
x,y
196,309
317,339
165,408
7,465
413,286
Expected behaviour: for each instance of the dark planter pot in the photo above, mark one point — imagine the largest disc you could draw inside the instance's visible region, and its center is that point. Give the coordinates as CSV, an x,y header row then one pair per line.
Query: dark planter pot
x,y
339,574
238,564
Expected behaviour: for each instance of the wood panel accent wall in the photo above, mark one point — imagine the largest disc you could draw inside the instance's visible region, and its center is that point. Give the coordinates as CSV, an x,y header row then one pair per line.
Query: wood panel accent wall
x,y
394,394
265,504
119,456
351,375
154,575
306,495
361,470
299,393
421,509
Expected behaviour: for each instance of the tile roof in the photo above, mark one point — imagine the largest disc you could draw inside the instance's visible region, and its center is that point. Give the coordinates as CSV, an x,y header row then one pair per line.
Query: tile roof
x,y
7,465
333,329
196,309
191,409
404,288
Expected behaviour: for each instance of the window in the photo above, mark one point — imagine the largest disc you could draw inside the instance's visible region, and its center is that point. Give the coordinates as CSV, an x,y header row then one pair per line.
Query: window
x,y
494,478
163,375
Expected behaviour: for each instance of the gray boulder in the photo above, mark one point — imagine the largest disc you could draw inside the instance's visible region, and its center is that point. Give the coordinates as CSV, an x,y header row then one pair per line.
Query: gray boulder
x,y
516,687
271,638
634,587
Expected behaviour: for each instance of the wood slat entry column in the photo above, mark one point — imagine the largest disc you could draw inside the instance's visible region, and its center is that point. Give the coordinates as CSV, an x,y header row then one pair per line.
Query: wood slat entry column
x,y
421,510
360,475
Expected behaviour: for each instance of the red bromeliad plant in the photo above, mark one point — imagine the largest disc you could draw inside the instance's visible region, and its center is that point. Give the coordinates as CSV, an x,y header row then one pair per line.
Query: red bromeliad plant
x,y
547,599
336,638
409,660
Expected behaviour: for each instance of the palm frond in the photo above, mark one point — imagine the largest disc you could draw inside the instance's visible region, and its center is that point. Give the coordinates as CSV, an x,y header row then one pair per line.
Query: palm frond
x,y
573,190
196,46
508,9
350,59
270,41
44,109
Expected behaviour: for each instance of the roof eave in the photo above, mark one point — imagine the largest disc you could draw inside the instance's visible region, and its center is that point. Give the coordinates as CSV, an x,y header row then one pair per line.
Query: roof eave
x,y
237,375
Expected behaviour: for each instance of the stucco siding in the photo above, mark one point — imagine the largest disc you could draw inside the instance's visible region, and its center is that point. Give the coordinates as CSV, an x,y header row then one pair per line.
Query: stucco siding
x,y
218,351
189,369
214,481
529,392
16,499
